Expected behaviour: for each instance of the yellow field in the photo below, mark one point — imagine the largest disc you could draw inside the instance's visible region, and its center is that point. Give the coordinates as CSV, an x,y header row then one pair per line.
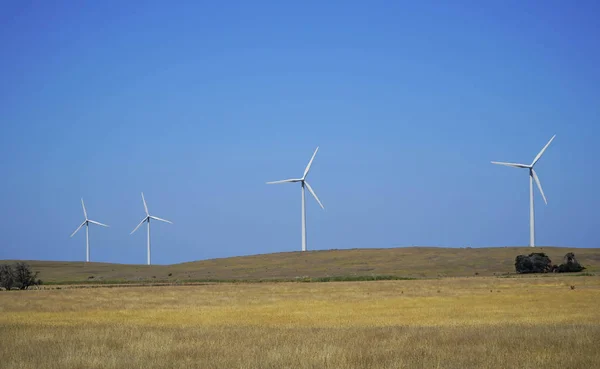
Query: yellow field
x,y
478,322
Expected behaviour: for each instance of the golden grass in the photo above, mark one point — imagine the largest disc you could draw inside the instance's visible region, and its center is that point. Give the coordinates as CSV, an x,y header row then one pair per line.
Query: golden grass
x,y
481,322
406,262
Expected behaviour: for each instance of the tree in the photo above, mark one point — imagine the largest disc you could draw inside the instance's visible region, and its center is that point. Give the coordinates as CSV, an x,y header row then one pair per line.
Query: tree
x,y
7,276
570,264
536,262
24,277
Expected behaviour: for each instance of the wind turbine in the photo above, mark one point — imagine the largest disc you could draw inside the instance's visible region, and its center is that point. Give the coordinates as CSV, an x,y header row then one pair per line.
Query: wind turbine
x,y
532,177
86,223
304,184
147,219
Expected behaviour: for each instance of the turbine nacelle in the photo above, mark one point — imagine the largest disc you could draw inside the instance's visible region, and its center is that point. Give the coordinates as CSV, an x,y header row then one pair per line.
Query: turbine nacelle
x,y
303,179
148,216
532,172
87,221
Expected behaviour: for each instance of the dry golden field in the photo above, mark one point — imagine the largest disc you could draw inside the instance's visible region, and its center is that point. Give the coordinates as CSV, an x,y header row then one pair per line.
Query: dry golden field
x,y
466,322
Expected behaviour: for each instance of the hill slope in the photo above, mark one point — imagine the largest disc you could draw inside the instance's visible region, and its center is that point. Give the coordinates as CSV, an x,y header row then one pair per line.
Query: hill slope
x,y
404,262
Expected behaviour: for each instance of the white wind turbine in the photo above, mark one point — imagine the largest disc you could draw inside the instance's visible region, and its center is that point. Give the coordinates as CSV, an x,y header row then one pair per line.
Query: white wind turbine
x,y
532,177
86,223
304,184
147,219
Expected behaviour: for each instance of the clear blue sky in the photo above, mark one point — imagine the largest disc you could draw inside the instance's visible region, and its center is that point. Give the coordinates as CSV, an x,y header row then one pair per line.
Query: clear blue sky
x,y
198,104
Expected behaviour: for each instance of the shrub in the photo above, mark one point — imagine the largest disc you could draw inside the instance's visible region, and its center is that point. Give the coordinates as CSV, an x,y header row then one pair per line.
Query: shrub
x,y
24,277
570,264
536,262
19,276
570,268
7,276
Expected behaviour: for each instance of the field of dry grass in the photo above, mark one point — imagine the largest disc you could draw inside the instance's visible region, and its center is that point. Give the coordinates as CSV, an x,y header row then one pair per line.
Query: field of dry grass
x,y
419,262
475,322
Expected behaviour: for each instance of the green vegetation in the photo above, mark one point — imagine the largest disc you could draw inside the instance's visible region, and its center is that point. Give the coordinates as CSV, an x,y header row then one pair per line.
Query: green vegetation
x,y
539,262
157,283
585,274
354,264
19,276
360,278
536,262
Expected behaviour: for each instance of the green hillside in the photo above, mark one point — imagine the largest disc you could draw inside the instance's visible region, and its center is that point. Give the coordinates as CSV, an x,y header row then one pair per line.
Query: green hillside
x,y
419,262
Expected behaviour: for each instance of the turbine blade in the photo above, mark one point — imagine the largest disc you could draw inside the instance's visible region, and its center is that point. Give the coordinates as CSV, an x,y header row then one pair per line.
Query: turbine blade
x,y
542,152
314,194
162,220
310,163
138,226
285,181
83,206
78,228
539,184
98,223
514,165
145,206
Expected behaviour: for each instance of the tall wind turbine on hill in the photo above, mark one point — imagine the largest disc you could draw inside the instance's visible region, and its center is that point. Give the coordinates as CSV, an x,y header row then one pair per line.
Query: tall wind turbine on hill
x,y
532,177
304,184
86,223
147,219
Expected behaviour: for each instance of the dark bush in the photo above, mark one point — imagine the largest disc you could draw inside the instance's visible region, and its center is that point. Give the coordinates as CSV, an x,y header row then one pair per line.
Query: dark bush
x,y
536,262
570,268
570,264
24,277
7,276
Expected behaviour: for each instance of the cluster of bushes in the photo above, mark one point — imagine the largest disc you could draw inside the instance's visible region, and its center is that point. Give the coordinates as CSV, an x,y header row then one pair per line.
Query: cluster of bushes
x,y
18,276
538,262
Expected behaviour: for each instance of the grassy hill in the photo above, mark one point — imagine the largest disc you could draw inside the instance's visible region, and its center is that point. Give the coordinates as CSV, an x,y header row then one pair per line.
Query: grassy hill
x,y
419,262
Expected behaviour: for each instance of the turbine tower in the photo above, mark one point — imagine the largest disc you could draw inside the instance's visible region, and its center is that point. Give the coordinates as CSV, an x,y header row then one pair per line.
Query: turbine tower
x,y
86,223
147,219
532,177
304,184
